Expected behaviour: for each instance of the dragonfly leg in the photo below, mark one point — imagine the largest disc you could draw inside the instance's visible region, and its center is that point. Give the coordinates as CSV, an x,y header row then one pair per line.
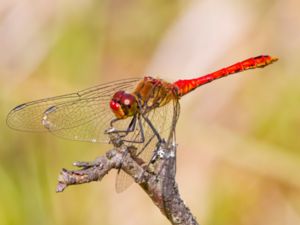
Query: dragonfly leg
x,y
141,133
156,155
145,145
160,140
131,128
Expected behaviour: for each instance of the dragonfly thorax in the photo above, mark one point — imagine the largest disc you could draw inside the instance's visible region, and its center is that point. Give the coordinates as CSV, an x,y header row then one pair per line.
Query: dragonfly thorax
x,y
123,105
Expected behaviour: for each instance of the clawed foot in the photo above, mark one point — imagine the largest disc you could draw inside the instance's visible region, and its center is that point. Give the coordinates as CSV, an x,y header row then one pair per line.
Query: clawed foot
x,y
110,130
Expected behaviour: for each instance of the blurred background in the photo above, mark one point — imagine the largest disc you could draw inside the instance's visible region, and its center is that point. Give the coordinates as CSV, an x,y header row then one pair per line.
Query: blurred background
x,y
238,138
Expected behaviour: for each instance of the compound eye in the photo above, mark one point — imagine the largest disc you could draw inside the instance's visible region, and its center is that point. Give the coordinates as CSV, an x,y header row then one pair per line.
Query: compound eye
x,y
118,96
127,100
114,105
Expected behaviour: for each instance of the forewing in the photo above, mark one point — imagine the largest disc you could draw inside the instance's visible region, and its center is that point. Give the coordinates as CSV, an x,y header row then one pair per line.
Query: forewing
x,y
78,116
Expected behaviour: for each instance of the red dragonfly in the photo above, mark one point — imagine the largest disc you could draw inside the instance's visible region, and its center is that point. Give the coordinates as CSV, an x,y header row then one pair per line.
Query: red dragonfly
x,y
143,111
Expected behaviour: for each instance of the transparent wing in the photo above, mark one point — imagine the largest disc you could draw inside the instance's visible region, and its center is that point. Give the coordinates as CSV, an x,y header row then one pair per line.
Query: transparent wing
x,y
123,181
164,120
78,116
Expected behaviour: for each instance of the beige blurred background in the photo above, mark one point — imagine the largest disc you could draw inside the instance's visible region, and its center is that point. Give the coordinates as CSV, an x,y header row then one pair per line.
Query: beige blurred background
x,y
239,137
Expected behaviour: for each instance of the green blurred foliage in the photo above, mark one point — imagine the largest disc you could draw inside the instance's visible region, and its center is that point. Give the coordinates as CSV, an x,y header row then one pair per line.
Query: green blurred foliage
x,y
109,40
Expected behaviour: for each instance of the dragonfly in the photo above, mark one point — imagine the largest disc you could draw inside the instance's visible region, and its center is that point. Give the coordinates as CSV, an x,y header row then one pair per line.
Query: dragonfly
x,y
143,111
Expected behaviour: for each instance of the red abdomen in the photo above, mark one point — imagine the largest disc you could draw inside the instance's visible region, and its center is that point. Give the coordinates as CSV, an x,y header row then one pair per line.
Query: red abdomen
x,y
186,86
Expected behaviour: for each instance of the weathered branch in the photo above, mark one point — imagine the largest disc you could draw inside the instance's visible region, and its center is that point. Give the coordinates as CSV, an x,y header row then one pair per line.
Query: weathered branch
x,y
158,182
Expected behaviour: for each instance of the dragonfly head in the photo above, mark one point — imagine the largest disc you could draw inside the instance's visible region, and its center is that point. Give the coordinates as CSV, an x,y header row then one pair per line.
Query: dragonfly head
x,y
123,104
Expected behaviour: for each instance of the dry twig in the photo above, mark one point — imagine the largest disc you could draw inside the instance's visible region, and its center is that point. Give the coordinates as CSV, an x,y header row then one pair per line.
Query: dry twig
x,y
159,183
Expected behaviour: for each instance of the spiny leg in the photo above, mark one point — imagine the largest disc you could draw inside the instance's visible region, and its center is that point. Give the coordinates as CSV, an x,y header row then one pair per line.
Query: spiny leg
x,y
140,133
131,128
145,145
152,128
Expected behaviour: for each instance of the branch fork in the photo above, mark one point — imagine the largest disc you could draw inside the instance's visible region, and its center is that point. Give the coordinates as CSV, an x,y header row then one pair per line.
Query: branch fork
x,y
158,182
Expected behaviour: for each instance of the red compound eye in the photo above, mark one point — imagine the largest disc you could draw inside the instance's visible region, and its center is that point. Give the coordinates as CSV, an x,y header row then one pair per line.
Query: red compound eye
x,y
123,104
127,100
118,96
114,105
